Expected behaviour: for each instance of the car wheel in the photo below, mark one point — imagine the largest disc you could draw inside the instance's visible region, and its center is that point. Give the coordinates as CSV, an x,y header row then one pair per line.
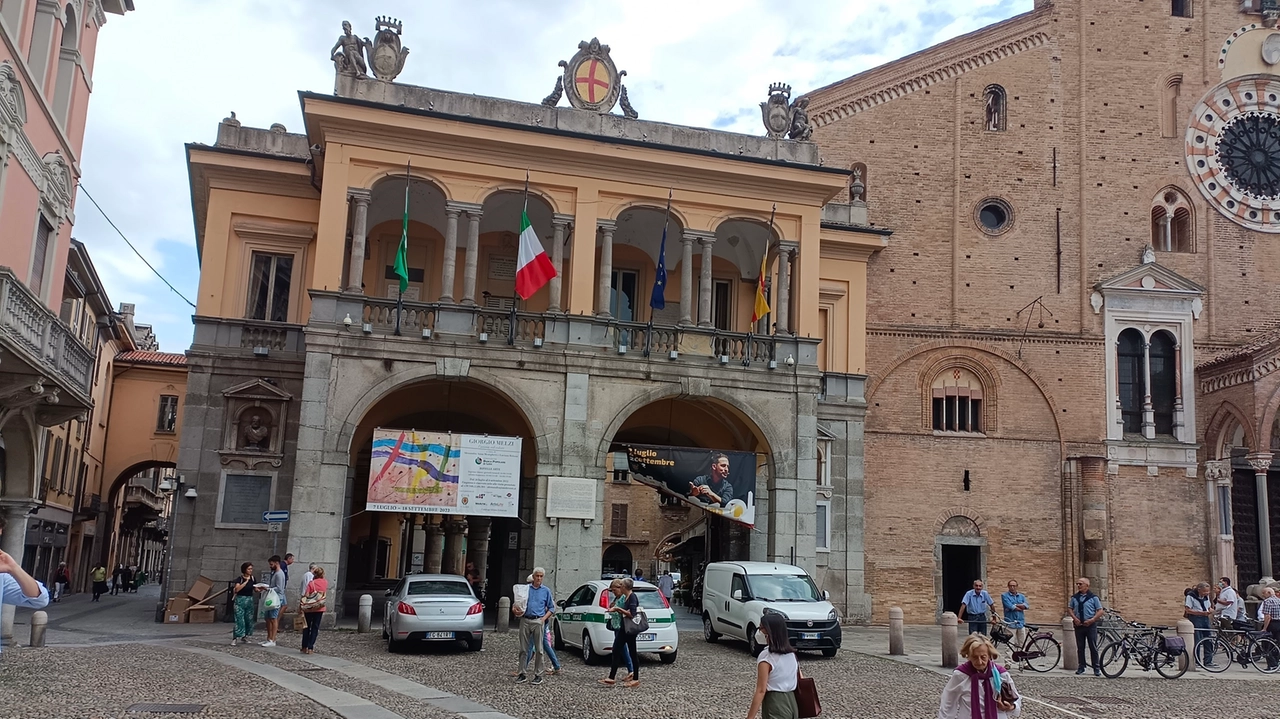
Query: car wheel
x,y
475,645
393,646
559,640
751,641
668,658
708,633
588,654
830,651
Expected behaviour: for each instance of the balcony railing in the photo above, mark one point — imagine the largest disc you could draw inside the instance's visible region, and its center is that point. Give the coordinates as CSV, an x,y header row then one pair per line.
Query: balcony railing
x,y
134,494
36,332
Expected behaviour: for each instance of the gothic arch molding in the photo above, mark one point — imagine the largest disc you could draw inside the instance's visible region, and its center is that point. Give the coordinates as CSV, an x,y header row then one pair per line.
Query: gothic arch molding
x,y
951,512
983,370
1215,431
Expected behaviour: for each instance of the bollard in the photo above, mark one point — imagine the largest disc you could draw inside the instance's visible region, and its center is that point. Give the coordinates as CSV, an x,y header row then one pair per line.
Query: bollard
x,y
1070,658
950,652
504,615
896,641
1187,631
38,622
366,614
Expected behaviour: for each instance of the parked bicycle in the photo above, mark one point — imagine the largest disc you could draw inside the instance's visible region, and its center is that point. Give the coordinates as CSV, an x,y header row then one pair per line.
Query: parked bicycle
x,y
1111,627
1150,648
1039,650
1232,646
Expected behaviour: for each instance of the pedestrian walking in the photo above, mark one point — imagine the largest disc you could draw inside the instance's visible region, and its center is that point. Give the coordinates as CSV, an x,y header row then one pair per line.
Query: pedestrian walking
x,y
546,644
537,609
243,591
666,585
315,595
1267,593
777,672
974,607
1198,608
126,578
1015,611
117,578
624,606
16,586
99,577
979,688
1086,610
277,581
61,581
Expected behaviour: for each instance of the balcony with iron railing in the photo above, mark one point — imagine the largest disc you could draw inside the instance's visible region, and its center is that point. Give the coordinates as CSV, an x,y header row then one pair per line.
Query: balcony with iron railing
x,y
45,349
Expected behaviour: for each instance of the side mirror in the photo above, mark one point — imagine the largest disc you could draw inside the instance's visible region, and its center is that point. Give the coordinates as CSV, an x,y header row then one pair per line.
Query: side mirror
x,y
826,595
737,594
562,603
390,592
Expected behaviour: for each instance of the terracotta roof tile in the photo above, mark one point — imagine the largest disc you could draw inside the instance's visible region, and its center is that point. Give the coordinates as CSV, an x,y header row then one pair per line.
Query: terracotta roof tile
x,y
1269,334
170,359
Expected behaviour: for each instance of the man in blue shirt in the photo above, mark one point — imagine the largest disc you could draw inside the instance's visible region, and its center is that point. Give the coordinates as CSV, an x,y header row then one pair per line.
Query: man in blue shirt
x,y
1015,608
1086,610
533,626
16,586
975,605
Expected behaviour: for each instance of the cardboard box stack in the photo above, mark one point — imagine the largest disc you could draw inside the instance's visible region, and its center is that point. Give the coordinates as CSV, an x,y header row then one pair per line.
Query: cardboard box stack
x,y
191,607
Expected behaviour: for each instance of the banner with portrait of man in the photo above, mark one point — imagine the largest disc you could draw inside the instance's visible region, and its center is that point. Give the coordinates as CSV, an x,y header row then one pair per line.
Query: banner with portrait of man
x,y
720,482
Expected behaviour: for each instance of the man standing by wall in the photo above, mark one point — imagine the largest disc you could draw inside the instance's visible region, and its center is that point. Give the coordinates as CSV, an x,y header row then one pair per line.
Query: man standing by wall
x,y
277,581
1086,610
533,617
974,607
1015,611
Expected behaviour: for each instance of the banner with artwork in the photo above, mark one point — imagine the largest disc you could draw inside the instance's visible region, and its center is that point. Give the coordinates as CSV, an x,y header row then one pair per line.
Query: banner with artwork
x,y
444,473
719,482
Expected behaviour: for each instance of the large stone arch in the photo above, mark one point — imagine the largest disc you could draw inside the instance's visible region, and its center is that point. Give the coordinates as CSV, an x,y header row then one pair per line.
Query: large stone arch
x,y
374,176
1262,435
484,194
1220,423
612,212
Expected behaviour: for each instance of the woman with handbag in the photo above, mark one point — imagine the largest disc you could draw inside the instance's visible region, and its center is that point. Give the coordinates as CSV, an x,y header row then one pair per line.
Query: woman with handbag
x,y
979,688
314,596
624,606
777,672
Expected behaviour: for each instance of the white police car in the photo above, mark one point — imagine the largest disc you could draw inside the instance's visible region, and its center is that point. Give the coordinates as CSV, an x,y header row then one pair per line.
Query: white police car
x,y
580,622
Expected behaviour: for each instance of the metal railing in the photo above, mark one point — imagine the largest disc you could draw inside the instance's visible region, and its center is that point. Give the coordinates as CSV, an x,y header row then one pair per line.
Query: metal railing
x,y
37,332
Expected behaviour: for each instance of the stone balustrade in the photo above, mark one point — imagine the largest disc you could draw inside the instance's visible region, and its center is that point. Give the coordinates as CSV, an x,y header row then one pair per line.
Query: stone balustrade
x,y
35,332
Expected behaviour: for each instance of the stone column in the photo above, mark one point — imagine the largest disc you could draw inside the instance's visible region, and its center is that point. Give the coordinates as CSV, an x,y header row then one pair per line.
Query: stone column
x,y
1166,232
606,267
418,543
1217,475
14,544
1179,418
454,532
359,231
686,278
449,260
1261,462
786,251
478,530
708,240
435,546
473,255
559,227
1148,413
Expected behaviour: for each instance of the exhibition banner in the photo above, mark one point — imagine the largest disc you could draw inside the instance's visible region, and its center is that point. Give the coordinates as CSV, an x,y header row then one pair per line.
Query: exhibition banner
x,y
719,482
444,473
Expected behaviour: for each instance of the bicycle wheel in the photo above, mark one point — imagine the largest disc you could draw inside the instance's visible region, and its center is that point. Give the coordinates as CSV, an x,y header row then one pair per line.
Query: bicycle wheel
x,y
1114,658
1215,648
1172,667
1264,653
1042,654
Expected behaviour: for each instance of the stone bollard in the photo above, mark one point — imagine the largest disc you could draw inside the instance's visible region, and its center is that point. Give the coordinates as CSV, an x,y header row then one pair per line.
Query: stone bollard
x,y
38,622
1187,631
950,652
504,615
1070,658
896,641
366,614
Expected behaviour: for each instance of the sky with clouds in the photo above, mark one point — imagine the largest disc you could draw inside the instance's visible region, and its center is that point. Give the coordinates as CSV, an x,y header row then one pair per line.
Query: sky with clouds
x,y
167,73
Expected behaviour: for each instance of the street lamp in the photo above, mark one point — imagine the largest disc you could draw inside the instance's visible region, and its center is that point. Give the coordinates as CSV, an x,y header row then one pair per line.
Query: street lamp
x,y
170,489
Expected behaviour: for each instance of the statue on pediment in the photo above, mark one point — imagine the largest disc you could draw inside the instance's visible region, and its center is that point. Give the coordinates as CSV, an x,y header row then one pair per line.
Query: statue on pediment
x,y
348,53
386,56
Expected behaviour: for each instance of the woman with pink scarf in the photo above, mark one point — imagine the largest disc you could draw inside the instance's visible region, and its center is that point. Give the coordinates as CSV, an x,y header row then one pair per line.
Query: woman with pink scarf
x,y
980,688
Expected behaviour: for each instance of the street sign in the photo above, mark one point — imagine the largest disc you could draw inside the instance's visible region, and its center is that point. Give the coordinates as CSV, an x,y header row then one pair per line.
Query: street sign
x,y
276,515
275,526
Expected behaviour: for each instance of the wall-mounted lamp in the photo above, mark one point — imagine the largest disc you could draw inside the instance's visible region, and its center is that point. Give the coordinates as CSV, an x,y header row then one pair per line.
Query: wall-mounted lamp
x,y
484,337
537,341
261,351
724,359
622,349
367,327
673,354
191,493
346,321
773,364
791,360
426,333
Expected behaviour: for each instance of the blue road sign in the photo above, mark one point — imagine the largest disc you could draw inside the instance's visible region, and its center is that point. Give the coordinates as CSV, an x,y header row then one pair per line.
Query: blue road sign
x,y
276,515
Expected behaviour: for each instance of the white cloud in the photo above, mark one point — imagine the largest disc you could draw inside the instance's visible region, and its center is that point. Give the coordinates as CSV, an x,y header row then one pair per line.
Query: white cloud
x,y
165,75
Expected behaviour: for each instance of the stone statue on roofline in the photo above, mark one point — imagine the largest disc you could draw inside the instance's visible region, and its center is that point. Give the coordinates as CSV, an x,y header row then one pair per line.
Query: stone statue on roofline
x,y
591,81
386,56
348,53
785,118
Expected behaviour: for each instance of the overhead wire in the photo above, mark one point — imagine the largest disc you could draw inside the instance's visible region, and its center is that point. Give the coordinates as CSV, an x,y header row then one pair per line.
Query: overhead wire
x,y
135,249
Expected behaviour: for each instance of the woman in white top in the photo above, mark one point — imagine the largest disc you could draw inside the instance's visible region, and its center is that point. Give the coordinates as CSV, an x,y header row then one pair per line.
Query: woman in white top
x,y
976,687
776,672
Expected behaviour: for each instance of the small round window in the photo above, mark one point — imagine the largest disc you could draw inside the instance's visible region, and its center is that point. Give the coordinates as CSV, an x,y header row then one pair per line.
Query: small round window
x,y
994,216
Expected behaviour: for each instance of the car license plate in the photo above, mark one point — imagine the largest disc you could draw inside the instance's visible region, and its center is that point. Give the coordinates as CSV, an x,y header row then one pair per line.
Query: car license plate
x,y
439,635
647,637
811,635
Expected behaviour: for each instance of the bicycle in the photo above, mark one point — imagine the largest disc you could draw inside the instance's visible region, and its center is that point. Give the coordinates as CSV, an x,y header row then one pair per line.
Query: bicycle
x,y
1150,648
1039,652
1111,627
1241,646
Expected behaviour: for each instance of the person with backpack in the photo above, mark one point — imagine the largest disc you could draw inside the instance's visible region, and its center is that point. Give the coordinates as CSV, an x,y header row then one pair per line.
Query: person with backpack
x,y
1198,608
1086,610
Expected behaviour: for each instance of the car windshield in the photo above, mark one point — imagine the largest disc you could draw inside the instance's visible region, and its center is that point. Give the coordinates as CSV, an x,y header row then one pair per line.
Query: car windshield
x,y
783,588
650,599
438,588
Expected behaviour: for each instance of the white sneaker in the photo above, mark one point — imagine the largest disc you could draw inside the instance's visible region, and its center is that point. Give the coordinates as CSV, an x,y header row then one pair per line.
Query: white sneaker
x,y
234,641
267,643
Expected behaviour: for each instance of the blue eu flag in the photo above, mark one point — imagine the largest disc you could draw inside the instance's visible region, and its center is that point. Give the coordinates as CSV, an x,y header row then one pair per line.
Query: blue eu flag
x,y
658,300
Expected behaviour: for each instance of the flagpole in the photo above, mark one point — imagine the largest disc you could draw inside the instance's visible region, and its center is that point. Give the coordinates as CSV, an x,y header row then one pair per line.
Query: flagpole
x,y
772,214
405,239
515,296
648,333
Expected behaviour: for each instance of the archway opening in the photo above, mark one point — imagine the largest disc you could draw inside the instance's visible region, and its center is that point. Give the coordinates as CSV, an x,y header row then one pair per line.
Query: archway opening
x,y
380,546
959,546
136,524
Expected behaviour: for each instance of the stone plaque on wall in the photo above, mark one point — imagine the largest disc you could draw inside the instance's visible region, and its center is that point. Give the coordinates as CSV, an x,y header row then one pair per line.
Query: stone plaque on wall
x,y
244,498
502,268
571,497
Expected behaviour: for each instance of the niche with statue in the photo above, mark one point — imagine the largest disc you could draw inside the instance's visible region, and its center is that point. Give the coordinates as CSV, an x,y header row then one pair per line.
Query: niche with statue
x,y
252,433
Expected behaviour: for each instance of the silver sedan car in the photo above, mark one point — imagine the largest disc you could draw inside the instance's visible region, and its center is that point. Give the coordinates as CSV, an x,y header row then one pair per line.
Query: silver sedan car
x,y
433,608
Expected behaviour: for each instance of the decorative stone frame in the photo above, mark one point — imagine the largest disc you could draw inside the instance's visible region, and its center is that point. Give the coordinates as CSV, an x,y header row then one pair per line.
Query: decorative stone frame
x,y
1003,205
275,238
222,493
254,395
990,391
947,536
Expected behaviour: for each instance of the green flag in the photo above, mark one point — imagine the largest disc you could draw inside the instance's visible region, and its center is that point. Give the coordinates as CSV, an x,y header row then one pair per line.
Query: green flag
x,y
402,254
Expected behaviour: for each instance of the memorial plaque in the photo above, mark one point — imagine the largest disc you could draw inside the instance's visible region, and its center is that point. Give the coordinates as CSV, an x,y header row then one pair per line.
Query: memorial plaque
x,y
244,498
571,497
502,268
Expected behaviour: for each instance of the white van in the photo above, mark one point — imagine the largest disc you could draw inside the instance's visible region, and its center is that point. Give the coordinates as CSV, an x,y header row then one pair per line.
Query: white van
x,y
736,594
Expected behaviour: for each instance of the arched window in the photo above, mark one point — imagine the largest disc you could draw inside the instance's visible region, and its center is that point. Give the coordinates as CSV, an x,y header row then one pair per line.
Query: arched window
x,y
957,401
996,103
1131,379
1169,119
1164,380
68,57
1171,224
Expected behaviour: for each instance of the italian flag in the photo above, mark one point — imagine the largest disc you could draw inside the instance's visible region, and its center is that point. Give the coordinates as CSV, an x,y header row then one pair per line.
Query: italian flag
x,y
534,268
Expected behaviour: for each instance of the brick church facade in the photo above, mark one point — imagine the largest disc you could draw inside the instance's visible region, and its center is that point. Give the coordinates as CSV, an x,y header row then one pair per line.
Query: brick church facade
x,y
1070,338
